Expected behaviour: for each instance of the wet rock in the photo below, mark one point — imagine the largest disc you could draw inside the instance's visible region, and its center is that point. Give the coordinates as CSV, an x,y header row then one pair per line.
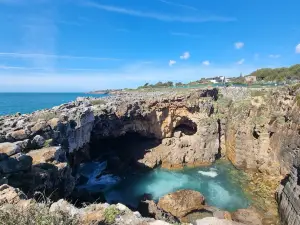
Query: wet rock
x,y
182,202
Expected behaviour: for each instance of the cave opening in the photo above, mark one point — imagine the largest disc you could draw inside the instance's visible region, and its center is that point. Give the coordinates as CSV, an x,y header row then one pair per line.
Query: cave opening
x,y
186,127
122,152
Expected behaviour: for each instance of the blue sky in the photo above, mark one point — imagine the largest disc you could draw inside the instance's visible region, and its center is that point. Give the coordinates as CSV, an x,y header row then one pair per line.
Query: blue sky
x,y
82,45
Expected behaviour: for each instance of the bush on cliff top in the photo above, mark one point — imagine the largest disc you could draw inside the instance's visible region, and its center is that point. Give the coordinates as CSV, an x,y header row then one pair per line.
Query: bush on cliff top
x,y
35,214
110,214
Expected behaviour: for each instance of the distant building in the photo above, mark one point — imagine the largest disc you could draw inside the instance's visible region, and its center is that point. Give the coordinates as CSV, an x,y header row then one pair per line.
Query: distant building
x,y
220,79
250,79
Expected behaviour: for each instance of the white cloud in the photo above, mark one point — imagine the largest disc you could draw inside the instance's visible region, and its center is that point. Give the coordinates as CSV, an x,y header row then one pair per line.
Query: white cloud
x,y
124,76
239,45
172,62
179,5
240,62
298,48
185,55
186,35
206,63
159,16
38,55
274,56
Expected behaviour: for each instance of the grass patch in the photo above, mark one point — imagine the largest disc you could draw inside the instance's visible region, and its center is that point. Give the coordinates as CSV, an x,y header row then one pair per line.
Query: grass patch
x,y
48,143
43,116
98,102
35,214
110,214
256,93
295,87
297,100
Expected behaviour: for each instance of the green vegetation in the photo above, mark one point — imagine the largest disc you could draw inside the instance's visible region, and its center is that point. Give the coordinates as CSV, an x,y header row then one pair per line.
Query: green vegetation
x,y
297,99
98,102
35,214
43,116
278,74
48,143
157,85
110,214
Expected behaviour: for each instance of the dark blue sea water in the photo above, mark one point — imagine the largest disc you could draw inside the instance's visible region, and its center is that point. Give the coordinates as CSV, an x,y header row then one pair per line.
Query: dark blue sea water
x,y
11,103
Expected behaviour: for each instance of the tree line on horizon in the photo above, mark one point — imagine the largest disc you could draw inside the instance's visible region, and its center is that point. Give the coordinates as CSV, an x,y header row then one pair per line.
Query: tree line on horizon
x,y
262,75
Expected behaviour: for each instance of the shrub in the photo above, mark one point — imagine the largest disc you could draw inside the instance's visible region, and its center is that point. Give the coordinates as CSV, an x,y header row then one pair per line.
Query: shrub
x,y
297,99
43,116
97,102
48,143
110,214
35,214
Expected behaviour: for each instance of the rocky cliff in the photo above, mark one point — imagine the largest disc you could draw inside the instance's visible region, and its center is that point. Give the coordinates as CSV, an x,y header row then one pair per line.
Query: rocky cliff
x,y
257,130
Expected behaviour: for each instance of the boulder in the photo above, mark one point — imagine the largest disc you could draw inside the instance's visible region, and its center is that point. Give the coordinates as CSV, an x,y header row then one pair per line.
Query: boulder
x,y
182,202
215,221
159,222
64,206
247,216
148,208
93,214
8,149
43,155
38,141
10,195
53,123
16,163
20,134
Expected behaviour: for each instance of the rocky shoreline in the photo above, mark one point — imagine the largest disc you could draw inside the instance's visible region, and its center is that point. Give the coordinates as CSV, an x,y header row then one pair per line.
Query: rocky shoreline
x,y
257,130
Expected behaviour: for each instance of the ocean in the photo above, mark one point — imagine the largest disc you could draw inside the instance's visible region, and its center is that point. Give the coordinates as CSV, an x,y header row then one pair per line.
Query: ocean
x,y
11,103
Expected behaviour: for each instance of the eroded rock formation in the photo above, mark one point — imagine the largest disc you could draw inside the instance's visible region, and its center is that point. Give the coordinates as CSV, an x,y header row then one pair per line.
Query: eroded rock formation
x,y
257,131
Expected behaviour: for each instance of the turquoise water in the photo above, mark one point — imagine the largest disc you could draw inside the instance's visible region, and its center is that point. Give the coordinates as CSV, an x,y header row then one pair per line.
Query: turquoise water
x,y
217,183
11,103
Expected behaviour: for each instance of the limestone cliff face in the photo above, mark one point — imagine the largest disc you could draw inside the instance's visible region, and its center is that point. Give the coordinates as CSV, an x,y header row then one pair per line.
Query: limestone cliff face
x,y
262,132
180,121
288,198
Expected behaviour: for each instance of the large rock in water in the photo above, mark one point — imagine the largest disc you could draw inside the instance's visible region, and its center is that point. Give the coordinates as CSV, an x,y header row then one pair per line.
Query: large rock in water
x,y
182,202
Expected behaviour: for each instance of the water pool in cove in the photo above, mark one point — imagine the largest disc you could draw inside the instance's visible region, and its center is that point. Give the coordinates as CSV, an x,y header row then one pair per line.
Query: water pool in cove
x,y
218,183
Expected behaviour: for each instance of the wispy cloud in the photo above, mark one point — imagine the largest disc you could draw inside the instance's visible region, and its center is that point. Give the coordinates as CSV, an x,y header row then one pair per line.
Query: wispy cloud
x,y
186,35
172,62
240,62
114,78
185,55
179,5
37,55
239,45
158,16
298,49
274,56
206,63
